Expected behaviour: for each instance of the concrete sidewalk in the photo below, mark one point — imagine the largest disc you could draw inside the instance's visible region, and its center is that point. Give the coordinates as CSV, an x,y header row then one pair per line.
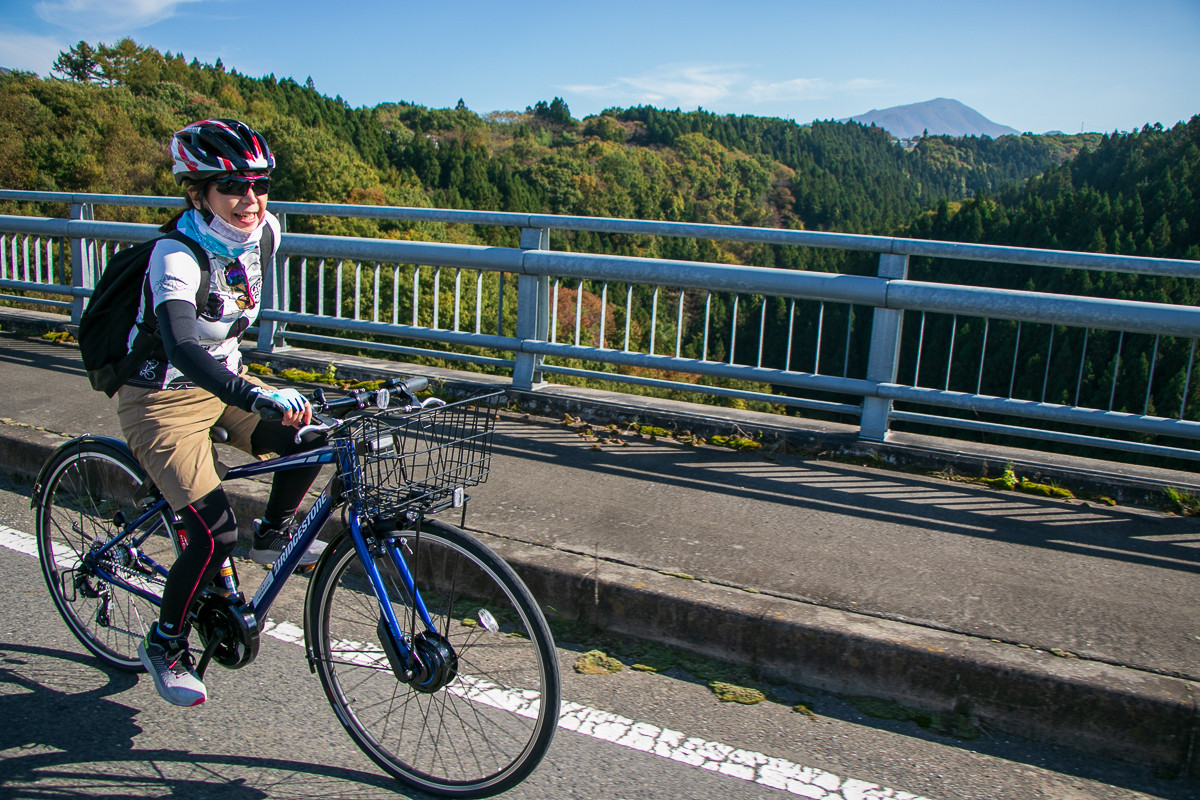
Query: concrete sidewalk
x,y
1060,620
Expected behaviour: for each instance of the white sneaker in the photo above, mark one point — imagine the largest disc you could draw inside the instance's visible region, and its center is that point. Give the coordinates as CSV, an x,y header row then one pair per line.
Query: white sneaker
x,y
172,670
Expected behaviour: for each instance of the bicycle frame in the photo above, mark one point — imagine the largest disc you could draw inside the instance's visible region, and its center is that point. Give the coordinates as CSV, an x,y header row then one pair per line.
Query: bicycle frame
x,y
305,533
465,706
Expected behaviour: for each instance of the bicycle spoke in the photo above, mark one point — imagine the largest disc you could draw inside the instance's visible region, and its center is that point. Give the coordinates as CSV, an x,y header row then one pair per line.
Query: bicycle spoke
x,y
492,715
88,486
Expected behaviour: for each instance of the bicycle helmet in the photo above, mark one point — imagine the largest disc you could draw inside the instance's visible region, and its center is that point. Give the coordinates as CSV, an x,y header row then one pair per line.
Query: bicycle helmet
x,y
213,147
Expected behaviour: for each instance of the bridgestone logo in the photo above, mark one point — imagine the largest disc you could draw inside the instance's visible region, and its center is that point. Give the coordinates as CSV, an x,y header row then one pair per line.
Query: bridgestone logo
x,y
316,512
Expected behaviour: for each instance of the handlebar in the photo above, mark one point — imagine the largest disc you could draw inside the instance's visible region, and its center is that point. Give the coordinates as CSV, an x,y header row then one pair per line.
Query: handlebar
x,y
327,412
380,398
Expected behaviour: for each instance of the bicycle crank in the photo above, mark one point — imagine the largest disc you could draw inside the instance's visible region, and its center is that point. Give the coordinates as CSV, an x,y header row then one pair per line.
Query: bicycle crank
x,y
229,633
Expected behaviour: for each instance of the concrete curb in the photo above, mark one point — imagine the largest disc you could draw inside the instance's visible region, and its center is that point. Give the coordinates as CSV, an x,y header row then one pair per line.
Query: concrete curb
x,y
1109,710
1099,708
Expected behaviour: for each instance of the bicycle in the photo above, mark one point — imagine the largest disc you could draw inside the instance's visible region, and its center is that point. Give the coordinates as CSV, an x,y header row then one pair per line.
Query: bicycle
x,y
431,650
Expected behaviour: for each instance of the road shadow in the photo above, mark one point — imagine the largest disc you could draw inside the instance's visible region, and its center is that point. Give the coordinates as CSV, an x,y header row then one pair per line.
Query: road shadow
x,y
71,738
40,354
819,714
1098,531
1105,583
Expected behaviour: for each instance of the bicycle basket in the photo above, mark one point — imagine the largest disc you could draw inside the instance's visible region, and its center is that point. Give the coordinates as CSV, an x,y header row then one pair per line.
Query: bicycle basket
x,y
423,460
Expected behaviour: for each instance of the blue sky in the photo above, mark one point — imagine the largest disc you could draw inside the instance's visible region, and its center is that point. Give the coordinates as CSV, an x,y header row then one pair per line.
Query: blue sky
x,y
1035,65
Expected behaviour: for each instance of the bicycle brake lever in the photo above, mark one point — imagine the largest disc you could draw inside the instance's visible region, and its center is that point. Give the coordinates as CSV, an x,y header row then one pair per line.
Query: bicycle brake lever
x,y
321,425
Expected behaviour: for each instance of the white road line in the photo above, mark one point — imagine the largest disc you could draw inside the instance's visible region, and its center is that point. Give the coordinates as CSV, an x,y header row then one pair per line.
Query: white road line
x,y
746,765
17,540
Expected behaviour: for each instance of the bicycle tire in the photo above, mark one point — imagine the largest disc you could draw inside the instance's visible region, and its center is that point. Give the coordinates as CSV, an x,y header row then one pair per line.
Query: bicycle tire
x,y
490,726
83,486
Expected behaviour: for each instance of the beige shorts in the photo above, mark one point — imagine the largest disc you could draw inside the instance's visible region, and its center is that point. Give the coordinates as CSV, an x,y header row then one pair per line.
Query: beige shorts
x,y
168,432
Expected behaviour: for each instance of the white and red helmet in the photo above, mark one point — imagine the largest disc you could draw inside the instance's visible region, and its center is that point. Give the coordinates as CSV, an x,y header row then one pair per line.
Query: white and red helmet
x,y
213,147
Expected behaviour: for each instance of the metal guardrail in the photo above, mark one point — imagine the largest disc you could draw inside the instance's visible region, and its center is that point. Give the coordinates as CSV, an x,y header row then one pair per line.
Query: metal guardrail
x,y
789,338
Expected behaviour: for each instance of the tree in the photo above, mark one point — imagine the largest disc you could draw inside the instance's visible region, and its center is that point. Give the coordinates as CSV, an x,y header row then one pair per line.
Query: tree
x,y
125,63
605,127
130,64
555,112
78,64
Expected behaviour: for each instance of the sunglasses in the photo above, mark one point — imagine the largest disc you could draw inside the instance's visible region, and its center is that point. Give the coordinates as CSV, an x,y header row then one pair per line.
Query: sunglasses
x,y
236,187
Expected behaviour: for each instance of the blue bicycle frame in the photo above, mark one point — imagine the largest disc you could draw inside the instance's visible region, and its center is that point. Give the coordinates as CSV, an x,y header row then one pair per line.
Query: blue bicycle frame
x,y
305,533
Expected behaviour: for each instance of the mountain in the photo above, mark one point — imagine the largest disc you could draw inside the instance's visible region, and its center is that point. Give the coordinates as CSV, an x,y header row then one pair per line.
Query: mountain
x,y
939,117
640,162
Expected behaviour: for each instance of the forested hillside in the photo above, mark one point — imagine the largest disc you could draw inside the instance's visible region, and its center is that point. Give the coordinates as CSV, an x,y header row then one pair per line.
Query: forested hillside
x,y
102,125
1133,194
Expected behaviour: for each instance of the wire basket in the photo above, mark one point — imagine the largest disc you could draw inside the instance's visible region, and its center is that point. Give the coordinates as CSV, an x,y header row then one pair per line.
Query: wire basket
x,y
424,460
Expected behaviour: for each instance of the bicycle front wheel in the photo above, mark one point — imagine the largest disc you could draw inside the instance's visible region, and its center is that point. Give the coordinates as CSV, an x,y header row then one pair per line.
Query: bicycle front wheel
x,y
86,489
481,716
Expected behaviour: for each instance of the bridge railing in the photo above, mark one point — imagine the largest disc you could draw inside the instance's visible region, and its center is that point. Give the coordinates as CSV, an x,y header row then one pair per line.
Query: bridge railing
x,y
879,350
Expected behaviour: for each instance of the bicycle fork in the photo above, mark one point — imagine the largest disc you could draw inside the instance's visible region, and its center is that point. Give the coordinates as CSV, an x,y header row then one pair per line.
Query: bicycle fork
x,y
425,660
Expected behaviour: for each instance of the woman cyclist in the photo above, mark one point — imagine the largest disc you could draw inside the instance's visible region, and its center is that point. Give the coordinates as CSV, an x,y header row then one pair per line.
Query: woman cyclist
x,y
197,381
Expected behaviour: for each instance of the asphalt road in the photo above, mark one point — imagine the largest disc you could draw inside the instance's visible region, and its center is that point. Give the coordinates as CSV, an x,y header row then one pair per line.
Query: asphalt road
x,y
75,729
1113,584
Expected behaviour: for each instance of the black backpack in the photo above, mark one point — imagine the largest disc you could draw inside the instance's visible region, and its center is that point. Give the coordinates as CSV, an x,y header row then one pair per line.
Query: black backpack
x,y
111,312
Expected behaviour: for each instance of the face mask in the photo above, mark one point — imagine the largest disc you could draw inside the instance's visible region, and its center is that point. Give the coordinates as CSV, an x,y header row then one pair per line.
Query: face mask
x,y
217,236
226,231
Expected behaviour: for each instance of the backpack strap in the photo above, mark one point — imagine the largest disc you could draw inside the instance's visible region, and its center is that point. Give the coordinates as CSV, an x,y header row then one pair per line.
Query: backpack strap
x,y
266,258
146,326
201,257
266,247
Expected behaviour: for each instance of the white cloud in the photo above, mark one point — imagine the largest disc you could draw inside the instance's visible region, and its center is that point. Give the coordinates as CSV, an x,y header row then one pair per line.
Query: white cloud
x,y
794,89
104,17
805,89
684,85
27,52
862,85
708,85
687,85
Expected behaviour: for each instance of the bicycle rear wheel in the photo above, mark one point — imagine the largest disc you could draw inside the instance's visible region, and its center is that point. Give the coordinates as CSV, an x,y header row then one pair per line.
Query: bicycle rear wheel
x,y
482,716
83,489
